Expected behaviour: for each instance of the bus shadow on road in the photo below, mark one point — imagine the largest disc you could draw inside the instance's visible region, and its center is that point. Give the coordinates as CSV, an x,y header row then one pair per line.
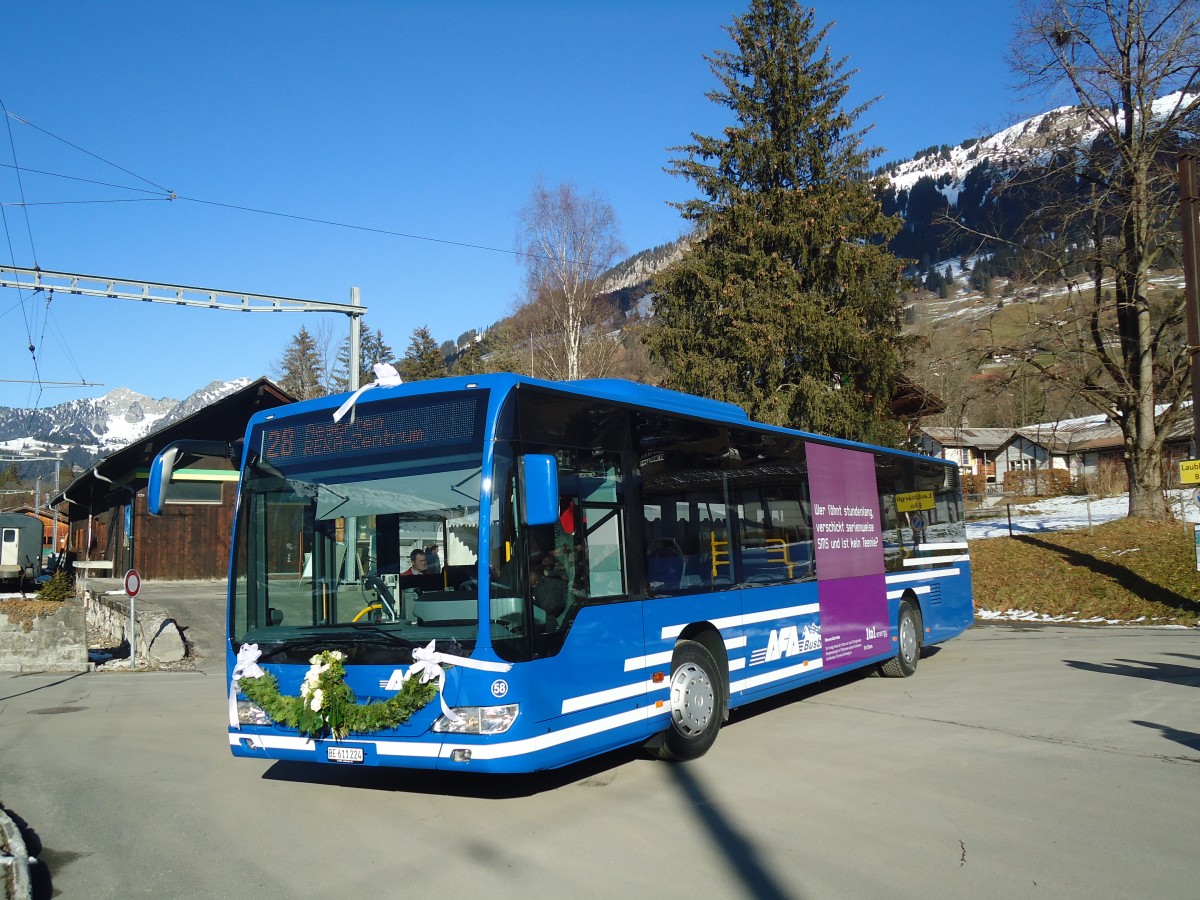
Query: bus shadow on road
x,y
594,771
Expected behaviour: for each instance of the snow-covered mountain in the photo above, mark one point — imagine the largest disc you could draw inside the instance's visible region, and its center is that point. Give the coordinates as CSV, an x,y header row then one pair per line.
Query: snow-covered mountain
x,y
1028,142
943,184
89,429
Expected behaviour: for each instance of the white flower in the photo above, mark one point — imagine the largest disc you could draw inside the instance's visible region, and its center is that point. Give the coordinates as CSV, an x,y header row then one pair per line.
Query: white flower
x,y
338,655
315,660
317,698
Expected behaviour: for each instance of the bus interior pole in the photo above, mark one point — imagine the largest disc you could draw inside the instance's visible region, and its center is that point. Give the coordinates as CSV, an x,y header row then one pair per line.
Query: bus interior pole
x,y
1191,288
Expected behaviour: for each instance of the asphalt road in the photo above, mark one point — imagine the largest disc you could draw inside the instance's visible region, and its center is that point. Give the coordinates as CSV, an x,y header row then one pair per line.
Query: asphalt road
x,y
1018,762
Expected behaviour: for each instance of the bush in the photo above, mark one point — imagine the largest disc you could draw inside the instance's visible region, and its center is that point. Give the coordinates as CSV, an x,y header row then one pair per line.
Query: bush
x,y
57,588
1109,479
1040,483
974,484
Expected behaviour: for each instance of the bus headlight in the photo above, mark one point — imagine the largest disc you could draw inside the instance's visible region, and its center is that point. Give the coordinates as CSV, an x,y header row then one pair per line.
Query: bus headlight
x,y
249,714
479,720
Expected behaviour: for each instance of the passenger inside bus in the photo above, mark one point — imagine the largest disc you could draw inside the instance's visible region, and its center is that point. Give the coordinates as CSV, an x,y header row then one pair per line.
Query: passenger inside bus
x,y
549,590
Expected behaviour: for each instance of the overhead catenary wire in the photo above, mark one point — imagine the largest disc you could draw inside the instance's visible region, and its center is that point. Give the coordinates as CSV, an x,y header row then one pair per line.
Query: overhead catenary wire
x,y
159,193
82,150
29,326
170,195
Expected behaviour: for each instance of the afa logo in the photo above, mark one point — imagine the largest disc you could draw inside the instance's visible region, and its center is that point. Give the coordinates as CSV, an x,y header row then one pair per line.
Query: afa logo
x,y
788,641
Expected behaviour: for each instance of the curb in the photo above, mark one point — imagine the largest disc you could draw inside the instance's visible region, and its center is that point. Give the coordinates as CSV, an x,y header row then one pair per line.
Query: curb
x,y
14,861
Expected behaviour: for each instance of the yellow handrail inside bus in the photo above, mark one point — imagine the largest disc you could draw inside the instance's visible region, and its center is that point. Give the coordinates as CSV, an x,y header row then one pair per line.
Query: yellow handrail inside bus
x,y
778,552
719,553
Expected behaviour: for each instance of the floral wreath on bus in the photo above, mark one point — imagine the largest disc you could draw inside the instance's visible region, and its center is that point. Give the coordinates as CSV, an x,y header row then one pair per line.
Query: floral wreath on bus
x,y
327,707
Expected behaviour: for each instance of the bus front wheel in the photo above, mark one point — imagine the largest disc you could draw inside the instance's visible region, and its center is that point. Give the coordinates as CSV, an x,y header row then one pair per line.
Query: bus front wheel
x,y
904,663
696,702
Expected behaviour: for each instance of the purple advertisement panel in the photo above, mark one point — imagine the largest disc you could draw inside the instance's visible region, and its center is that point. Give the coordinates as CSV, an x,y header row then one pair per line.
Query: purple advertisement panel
x,y
848,547
845,512
854,620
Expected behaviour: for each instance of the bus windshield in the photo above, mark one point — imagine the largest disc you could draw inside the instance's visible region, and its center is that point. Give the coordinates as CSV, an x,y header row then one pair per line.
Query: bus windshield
x,y
370,559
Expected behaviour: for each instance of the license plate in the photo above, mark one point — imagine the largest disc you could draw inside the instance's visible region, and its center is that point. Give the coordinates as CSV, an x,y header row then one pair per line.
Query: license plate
x,y
344,754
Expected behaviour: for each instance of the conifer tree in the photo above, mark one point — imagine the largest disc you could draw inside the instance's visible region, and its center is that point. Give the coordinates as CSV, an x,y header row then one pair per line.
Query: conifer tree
x,y
470,361
423,360
372,349
788,302
300,369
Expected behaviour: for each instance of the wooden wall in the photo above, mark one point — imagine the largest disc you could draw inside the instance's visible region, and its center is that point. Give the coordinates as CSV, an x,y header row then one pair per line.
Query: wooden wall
x,y
187,543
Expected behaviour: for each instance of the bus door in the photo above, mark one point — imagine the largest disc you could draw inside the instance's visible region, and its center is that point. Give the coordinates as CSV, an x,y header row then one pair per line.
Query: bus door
x,y
581,636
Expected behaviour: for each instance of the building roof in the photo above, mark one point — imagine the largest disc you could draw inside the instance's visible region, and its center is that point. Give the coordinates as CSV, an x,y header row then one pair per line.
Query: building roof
x,y
224,419
1086,433
980,438
913,401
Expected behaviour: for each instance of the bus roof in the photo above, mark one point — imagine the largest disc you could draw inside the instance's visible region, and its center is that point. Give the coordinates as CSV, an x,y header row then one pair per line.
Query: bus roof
x,y
614,389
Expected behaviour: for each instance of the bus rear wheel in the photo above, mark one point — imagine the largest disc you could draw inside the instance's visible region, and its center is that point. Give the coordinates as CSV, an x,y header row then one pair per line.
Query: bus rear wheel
x,y
696,702
904,663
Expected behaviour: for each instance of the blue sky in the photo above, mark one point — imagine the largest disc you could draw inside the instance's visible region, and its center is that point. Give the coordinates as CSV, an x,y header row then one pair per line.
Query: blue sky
x,y
425,119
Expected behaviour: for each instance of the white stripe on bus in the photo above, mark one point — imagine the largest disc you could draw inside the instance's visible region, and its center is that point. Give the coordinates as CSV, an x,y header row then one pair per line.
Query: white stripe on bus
x,y
286,742
777,675
645,662
922,576
622,692
919,589
808,609
935,560
561,736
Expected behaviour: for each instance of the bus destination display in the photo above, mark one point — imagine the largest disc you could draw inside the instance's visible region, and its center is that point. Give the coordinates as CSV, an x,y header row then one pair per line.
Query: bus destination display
x,y
417,427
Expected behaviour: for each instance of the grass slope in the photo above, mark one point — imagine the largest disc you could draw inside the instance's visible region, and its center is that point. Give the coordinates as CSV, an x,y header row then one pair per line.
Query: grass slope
x,y
1125,570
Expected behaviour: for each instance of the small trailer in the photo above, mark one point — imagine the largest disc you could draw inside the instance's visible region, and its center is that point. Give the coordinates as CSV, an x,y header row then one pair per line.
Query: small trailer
x,y
20,548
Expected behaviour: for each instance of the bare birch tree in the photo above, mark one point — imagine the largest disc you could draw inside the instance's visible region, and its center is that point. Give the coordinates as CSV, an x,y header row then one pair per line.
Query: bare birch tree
x,y
568,240
1105,209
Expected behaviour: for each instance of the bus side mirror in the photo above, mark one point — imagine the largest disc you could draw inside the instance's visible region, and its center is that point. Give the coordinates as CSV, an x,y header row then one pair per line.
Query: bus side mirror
x,y
539,487
166,461
160,478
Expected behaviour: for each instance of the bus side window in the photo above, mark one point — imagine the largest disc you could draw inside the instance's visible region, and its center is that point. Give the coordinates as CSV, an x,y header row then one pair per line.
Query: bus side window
x,y
774,519
686,519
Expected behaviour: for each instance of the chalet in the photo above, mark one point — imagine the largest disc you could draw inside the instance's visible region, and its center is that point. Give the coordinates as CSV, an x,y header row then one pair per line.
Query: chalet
x,y
974,449
1086,449
109,527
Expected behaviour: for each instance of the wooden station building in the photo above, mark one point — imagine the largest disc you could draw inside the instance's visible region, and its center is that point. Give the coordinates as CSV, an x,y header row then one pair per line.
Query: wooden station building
x,y
109,527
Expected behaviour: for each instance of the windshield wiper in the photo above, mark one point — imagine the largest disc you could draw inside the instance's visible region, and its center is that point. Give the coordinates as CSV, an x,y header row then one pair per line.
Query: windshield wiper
x,y
370,632
364,635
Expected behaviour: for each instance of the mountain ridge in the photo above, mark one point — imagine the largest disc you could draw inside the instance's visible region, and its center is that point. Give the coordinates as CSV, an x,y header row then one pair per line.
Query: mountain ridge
x,y
86,430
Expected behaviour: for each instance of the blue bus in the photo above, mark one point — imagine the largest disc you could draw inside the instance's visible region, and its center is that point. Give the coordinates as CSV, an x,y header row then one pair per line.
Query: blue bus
x,y
578,566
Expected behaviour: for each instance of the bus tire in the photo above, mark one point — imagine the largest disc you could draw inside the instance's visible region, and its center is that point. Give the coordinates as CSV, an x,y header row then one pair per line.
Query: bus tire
x,y
696,702
904,663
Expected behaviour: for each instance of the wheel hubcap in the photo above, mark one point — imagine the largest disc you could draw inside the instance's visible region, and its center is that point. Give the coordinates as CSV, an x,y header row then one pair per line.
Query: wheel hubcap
x,y
908,638
692,699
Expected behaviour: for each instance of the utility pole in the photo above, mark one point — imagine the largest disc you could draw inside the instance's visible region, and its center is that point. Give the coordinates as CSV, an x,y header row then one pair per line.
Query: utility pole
x,y
41,280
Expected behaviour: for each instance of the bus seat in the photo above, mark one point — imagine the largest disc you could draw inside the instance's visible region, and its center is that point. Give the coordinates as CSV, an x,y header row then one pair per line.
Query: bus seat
x,y
664,564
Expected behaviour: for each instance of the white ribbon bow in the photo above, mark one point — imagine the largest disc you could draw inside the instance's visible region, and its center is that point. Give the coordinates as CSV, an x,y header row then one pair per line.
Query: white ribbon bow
x,y
385,376
427,663
245,667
